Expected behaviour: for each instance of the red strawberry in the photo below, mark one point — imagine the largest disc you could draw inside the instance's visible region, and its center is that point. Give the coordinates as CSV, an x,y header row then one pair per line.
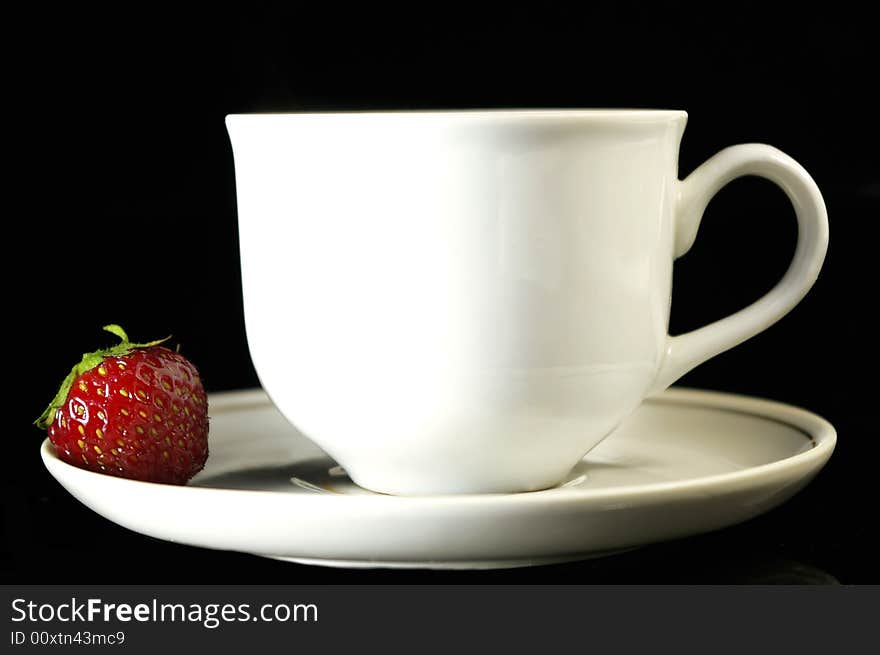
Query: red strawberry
x,y
137,411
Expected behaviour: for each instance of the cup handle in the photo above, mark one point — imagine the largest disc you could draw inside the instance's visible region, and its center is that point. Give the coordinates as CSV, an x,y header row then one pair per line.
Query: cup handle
x,y
684,352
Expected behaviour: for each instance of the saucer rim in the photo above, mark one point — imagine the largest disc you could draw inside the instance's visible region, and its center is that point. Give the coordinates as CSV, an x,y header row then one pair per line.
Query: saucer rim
x,y
818,430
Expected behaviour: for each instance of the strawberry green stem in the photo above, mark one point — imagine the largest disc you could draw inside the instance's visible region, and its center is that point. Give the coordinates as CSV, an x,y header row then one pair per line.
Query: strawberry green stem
x,y
90,361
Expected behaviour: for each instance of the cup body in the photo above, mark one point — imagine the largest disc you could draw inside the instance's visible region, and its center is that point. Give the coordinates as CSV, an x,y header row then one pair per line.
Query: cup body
x,y
457,302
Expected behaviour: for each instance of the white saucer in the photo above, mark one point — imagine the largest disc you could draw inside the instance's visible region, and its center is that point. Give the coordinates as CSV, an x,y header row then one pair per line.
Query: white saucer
x,y
685,462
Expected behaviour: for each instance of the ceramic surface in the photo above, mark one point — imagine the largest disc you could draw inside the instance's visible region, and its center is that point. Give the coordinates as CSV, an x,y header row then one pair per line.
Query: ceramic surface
x,y
683,463
486,294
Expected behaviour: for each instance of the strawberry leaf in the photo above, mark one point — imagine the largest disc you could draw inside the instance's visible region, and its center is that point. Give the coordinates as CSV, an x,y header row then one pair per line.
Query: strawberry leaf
x,y
88,362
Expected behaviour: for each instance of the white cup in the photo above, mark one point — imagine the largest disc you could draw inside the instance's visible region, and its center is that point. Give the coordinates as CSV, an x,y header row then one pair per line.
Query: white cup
x,y
469,301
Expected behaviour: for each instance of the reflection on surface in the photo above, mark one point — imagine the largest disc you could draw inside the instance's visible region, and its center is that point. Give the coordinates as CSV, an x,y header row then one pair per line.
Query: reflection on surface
x,y
782,571
739,555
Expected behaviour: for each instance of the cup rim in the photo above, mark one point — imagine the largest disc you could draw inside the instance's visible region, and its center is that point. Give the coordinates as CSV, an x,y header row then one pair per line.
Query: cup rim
x,y
591,114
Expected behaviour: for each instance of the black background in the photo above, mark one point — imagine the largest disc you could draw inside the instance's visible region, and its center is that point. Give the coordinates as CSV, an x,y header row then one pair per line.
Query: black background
x,y
128,215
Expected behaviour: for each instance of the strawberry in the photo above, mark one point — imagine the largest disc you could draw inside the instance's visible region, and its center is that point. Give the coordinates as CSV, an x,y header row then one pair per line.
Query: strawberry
x,y
133,410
